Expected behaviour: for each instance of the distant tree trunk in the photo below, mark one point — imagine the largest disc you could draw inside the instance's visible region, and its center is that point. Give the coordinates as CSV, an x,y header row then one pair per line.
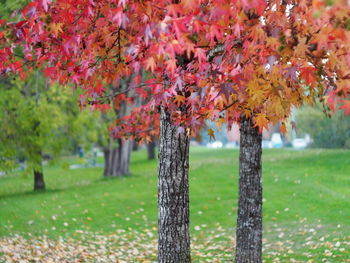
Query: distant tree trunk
x,y
249,220
117,158
106,155
39,183
151,149
125,148
173,194
135,146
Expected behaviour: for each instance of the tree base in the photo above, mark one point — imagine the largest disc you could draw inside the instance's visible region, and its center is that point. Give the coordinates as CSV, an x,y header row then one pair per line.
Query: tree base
x,y
173,194
39,183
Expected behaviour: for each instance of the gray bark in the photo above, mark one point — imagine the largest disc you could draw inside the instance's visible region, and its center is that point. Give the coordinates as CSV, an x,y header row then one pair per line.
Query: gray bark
x,y
249,220
173,194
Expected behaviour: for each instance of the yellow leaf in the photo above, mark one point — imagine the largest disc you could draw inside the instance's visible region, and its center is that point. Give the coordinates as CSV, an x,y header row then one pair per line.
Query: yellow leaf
x,y
56,28
211,134
273,42
219,122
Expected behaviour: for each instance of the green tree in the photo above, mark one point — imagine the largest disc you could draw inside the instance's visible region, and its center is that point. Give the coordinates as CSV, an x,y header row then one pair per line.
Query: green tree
x,y
38,121
8,7
332,131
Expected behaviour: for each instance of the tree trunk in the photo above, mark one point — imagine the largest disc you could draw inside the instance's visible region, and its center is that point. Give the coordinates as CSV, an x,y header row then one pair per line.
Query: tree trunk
x,y
151,149
106,155
135,146
125,148
249,220
39,183
117,158
173,194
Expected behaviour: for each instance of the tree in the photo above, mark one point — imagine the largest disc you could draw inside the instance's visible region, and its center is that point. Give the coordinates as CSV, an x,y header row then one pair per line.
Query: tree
x,y
117,153
33,123
228,61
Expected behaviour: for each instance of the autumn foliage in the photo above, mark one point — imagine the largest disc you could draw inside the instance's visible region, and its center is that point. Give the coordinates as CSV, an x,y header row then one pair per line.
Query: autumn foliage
x,y
203,59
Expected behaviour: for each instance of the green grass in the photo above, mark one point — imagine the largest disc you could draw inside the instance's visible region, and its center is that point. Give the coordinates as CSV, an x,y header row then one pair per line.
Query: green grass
x,y
303,190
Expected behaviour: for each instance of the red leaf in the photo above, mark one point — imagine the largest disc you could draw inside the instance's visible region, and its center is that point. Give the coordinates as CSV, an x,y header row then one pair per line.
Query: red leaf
x,y
309,75
346,107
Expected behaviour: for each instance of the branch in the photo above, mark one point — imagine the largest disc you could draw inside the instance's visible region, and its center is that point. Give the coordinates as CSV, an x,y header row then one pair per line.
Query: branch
x,y
215,51
110,97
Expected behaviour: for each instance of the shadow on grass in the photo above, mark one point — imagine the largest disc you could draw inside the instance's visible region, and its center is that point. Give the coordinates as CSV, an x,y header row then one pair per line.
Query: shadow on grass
x,y
101,179
32,193
115,178
144,161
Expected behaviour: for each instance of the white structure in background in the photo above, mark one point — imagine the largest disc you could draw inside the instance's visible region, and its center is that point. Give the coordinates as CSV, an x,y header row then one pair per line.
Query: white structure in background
x,y
308,139
231,145
216,144
266,144
299,143
276,140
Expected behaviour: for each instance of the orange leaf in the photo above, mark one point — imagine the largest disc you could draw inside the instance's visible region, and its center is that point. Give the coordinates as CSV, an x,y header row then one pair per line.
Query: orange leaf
x,y
283,128
261,121
179,100
171,65
150,64
189,4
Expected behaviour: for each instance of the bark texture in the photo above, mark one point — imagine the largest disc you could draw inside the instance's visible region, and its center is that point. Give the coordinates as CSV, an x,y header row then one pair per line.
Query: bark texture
x,y
39,183
249,220
117,158
151,149
173,194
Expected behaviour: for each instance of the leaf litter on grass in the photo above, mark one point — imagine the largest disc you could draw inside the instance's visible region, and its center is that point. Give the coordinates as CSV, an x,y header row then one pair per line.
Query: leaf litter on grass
x,y
305,244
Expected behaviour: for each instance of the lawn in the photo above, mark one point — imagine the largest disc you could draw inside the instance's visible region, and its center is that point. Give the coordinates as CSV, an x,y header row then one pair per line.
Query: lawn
x,y
83,216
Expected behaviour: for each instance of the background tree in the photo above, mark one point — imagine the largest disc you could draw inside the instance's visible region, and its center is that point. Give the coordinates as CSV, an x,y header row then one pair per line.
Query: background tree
x,y
151,148
33,123
7,7
326,131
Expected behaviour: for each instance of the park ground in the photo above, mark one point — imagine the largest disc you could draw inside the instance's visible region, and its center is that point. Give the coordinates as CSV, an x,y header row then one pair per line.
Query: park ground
x,y
83,217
